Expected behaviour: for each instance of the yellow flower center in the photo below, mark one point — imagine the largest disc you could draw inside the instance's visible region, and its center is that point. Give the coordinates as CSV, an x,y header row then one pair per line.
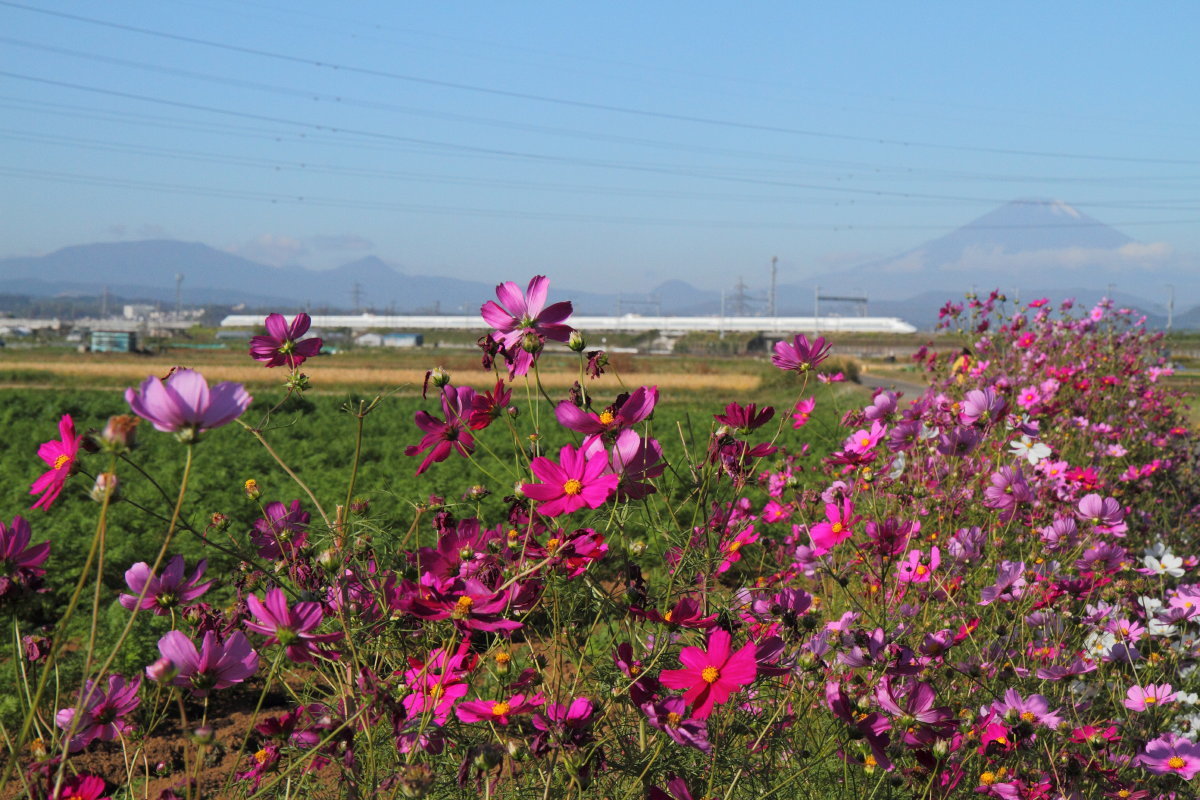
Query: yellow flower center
x,y
500,709
251,485
503,657
436,691
58,462
733,547
1028,716
1150,700
462,606
674,719
606,418
921,569
667,617
573,487
1124,793
261,756
838,527
987,778
710,674
1175,762
870,761
552,545
864,441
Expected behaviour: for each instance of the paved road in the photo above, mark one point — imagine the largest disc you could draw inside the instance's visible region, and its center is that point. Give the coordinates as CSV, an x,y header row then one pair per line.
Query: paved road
x,y
879,382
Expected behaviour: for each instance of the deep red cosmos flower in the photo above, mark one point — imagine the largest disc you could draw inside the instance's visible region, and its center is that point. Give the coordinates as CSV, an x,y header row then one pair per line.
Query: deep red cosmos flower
x,y
59,454
442,436
282,343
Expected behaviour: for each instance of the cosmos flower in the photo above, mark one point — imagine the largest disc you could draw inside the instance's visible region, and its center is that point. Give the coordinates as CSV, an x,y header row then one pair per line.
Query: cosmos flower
x,y
216,664
183,404
444,436
59,454
800,355
624,413
1143,698
103,714
522,321
838,527
498,711
291,627
162,593
804,409
282,343
578,480
670,717
20,564
711,677
1170,754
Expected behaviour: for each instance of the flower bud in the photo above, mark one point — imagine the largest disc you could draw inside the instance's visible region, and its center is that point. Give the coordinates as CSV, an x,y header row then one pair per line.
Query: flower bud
x,y
503,660
252,490
637,547
513,411
531,343
218,522
576,342
120,433
162,671
360,506
414,780
296,382
204,735
105,486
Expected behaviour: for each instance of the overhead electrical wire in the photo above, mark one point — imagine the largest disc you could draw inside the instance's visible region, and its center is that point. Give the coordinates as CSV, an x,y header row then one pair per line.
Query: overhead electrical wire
x,y
568,102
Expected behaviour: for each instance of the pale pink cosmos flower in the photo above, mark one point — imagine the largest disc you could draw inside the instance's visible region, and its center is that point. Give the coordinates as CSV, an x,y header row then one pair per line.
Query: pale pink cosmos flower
x,y
1143,698
216,664
183,403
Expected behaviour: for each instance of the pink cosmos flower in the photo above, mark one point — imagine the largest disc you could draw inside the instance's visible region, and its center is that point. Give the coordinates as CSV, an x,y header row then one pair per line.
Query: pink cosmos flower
x,y
282,343
800,355
59,454
1029,397
838,527
444,436
1142,698
498,711
1170,754
82,787
625,413
183,404
523,321
20,564
1034,708
864,441
982,405
282,532
732,548
578,480
102,716
437,684
913,570
634,460
291,627
216,664
711,677
804,409
161,594
669,716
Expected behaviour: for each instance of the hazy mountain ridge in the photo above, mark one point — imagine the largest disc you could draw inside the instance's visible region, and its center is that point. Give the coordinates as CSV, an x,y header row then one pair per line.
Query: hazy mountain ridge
x,y
1028,248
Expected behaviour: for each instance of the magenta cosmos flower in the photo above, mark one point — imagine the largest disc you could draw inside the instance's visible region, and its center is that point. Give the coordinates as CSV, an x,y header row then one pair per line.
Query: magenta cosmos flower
x,y
20,564
291,627
523,321
162,593
216,664
103,712
711,677
183,404
624,413
282,343
82,787
444,436
576,481
498,711
59,455
800,355
1172,755
838,527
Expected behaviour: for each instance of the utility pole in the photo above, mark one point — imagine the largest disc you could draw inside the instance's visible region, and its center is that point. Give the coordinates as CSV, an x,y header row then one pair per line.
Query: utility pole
x,y
104,304
356,297
816,309
1170,305
739,298
771,311
178,295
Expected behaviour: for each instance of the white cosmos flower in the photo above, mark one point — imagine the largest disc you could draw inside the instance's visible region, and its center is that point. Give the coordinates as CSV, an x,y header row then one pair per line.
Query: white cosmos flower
x,y
1167,565
1031,451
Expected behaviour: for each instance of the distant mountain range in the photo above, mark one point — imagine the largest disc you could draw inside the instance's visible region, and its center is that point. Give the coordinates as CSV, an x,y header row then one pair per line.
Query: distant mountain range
x,y
1030,247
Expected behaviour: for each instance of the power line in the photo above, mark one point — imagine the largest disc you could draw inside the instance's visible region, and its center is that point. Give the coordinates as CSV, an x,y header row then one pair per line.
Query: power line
x,y
734,124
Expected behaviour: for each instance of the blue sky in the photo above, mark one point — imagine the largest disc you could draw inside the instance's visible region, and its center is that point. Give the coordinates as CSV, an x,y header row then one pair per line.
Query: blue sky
x,y
606,144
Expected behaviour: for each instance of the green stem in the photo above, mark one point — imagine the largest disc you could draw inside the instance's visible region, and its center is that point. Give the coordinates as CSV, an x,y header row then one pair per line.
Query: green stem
x,y
316,503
